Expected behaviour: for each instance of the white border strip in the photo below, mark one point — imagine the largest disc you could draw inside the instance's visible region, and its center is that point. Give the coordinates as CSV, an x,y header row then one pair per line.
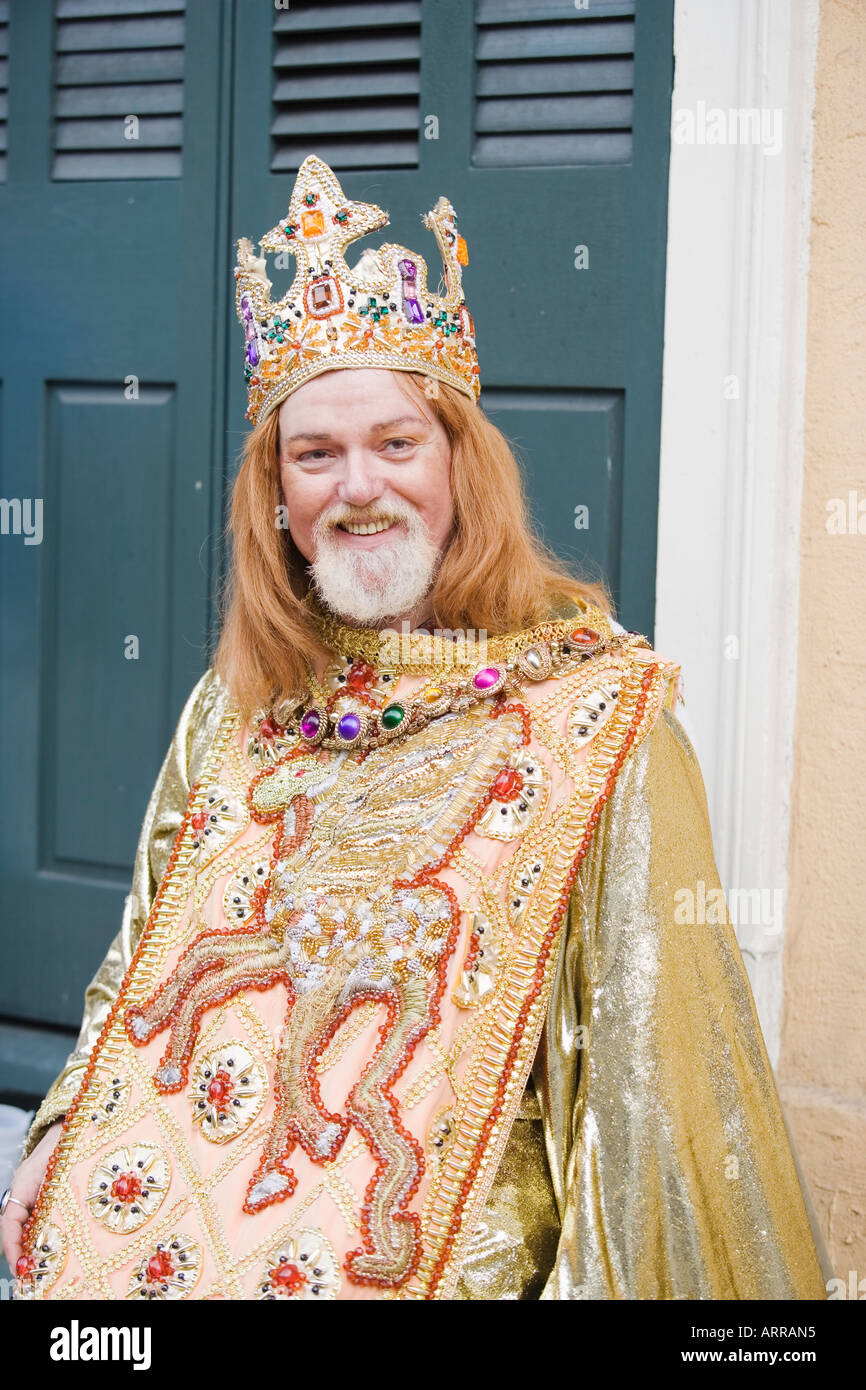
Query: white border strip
x,y
732,432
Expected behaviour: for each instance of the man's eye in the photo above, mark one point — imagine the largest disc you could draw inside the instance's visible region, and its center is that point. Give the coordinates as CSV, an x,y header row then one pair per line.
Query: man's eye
x,y
405,443
313,456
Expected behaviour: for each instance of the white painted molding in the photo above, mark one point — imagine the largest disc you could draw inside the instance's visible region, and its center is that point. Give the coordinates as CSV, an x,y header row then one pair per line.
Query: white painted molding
x,y
731,468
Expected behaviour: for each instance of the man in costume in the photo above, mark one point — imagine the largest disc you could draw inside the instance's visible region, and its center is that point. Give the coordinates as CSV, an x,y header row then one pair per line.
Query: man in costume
x,y
400,1006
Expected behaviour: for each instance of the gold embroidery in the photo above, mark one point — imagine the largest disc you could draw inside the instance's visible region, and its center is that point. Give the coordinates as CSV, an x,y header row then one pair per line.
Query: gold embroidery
x,y
171,1271
127,1187
229,1087
362,865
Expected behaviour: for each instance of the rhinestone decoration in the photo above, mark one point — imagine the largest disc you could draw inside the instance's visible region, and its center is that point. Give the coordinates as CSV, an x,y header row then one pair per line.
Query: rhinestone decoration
x,y
35,1273
303,1266
169,1271
111,1101
221,817
591,712
238,897
127,1187
520,793
229,1088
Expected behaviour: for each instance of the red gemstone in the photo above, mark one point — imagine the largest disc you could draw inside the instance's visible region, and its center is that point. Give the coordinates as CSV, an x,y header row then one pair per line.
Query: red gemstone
x,y
269,728
360,675
287,1276
159,1267
126,1188
23,1266
199,820
220,1088
585,636
508,785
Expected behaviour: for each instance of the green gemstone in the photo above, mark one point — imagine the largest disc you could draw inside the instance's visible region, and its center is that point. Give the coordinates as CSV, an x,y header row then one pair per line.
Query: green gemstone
x,y
392,716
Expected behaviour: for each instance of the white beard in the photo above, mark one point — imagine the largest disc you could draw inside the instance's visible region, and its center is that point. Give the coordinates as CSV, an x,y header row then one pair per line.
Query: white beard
x,y
370,586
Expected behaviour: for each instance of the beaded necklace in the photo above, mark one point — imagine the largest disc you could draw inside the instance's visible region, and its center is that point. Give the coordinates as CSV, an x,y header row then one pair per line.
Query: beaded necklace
x,y
354,705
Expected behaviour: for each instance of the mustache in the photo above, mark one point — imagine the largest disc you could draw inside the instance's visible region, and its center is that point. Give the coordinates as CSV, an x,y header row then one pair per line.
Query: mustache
x,y
392,512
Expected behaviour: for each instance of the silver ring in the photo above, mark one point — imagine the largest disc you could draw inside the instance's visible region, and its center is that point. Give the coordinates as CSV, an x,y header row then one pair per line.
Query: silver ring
x,y
7,1198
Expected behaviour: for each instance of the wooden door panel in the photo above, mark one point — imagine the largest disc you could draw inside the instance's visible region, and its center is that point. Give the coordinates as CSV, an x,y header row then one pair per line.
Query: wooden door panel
x,y
117,289
570,444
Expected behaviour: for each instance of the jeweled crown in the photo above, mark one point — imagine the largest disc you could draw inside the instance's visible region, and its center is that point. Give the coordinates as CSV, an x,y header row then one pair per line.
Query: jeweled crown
x,y
379,313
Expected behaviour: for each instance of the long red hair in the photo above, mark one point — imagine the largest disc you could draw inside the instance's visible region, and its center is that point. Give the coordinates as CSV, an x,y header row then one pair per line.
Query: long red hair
x,y
496,575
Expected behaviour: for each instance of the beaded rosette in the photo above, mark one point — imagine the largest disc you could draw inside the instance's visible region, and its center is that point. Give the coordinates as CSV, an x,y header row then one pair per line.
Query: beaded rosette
x,y
379,313
308,1079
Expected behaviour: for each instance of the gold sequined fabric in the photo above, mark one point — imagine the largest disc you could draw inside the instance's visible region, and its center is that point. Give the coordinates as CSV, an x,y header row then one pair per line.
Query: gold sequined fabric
x,y
649,1158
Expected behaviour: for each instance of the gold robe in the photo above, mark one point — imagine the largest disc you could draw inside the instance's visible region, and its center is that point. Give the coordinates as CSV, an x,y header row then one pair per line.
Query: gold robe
x,y
649,1158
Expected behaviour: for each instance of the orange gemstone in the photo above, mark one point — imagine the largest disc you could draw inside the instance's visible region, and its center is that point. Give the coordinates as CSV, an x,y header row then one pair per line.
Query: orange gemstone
x,y
508,785
220,1088
312,223
432,695
126,1188
585,636
287,1276
360,675
159,1267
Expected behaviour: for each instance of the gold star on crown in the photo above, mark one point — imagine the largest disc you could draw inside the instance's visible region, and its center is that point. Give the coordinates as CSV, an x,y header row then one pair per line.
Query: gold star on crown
x,y
379,313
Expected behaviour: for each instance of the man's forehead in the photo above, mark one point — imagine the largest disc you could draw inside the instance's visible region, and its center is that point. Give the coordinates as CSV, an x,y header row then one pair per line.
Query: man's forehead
x,y
376,427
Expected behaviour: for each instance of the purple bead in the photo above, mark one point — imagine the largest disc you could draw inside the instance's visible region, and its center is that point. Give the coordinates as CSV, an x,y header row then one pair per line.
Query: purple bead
x,y
489,676
349,726
310,723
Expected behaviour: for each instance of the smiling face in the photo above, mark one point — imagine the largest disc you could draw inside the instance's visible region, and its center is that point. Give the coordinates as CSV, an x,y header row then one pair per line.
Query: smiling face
x,y
365,474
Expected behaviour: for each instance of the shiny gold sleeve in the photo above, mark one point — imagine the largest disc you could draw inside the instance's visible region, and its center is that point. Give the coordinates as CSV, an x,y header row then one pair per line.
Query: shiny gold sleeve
x,y
669,1157
165,810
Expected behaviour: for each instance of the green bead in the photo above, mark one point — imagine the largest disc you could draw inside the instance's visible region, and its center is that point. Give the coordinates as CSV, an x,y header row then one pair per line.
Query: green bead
x,y
392,716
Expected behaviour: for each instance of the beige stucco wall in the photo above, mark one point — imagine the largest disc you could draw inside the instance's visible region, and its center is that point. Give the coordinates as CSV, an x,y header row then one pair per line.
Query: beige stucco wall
x,y
822,1067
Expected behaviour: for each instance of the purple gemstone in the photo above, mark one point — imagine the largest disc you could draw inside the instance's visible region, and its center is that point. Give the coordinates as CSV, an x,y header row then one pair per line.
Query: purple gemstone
x,y
489,676
245,309
349,726
310,723
252,352
412,311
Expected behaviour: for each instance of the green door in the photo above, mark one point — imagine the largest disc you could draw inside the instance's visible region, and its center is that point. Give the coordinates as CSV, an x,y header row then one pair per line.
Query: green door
x,y
122,404
111,415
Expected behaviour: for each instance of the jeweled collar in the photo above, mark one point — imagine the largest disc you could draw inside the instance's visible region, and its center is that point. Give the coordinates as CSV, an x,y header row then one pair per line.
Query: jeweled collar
x,y
422,652
355,705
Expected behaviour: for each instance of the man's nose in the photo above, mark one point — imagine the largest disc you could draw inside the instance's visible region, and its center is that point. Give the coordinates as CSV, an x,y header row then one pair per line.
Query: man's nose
x,y
361,482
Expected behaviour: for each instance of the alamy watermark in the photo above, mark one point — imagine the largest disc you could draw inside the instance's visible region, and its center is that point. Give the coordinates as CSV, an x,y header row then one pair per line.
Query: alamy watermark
x,y
714,125
451,646
754,907
22,516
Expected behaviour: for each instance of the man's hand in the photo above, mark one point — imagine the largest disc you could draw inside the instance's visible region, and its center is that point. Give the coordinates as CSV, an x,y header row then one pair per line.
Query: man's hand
x,y
25,1188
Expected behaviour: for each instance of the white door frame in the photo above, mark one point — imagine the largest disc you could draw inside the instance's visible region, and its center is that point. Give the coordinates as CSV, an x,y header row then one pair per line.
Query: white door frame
x,y
732,433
